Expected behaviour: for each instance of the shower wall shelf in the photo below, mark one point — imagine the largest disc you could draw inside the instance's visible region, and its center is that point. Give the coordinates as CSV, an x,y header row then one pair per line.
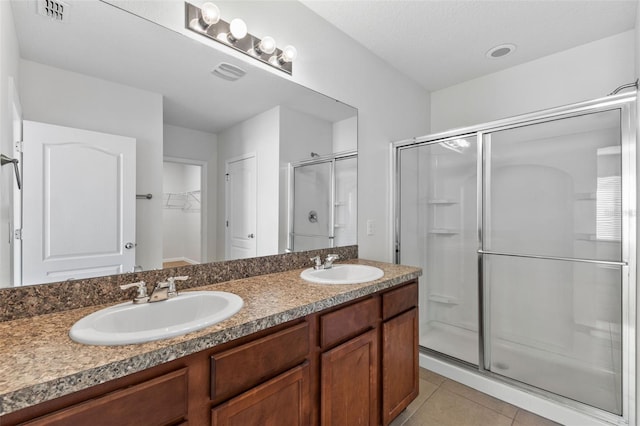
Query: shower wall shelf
x,y
595,239
585,196
444,232
444,299
441,201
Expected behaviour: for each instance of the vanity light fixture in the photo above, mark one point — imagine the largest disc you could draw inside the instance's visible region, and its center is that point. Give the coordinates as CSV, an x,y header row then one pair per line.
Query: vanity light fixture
x,y
206,21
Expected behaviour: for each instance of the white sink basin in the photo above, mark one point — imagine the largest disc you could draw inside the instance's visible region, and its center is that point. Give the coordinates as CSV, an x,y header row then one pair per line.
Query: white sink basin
x,y
129,323
343,274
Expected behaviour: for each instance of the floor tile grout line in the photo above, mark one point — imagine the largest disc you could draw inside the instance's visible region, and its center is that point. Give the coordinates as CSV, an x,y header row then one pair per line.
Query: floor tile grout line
x,y
480,404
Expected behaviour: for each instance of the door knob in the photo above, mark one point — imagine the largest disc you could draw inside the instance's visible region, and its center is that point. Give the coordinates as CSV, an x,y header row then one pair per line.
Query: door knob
x,y
129,246
251,236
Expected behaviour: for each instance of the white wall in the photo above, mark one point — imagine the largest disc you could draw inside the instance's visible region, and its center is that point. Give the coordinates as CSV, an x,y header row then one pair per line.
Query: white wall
x,y
390,105
9,57
189,144
259,135
585,72
56,96
345,135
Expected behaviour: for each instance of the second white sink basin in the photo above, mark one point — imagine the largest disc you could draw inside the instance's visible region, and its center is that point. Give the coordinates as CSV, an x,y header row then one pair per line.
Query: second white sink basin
x,y
343,274
128,323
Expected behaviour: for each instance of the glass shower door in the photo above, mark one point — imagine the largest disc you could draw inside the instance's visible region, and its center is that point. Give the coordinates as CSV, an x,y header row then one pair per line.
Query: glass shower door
x,y
312,210
438,232
552,257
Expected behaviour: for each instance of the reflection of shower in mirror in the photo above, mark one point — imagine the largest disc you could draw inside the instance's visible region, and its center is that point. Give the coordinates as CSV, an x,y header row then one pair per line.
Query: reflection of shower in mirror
x,y
323,203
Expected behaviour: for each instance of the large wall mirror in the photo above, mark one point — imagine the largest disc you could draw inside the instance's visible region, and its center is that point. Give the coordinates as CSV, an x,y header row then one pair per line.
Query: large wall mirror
x,y
140,151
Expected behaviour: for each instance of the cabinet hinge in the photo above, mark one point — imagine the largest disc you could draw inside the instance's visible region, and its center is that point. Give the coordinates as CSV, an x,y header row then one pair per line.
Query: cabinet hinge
x,y
226,177
17,234
227,223
19,145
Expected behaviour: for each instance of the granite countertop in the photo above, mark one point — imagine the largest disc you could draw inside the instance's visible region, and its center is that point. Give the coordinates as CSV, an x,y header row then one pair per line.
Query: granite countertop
x,y
40,362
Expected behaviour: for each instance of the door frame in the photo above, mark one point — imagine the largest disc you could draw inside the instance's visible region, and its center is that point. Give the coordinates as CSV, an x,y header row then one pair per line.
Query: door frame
x,y
204,228
16,213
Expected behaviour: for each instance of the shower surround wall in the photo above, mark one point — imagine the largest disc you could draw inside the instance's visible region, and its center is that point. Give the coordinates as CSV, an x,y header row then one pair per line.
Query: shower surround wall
x,y
547,244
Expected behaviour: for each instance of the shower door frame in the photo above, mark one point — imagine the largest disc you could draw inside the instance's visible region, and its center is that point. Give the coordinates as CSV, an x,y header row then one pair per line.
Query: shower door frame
x,y
331,158
626,103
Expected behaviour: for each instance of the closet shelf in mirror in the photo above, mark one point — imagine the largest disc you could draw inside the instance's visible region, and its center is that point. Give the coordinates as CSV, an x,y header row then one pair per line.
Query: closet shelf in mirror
x,y
189,200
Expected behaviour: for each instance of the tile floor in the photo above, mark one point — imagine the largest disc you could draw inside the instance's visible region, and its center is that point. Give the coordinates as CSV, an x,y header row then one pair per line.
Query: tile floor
x,y
443,402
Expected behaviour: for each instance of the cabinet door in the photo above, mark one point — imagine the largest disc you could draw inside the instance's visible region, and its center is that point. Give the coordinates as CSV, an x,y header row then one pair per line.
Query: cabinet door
x,y
282,401
349,382
399,364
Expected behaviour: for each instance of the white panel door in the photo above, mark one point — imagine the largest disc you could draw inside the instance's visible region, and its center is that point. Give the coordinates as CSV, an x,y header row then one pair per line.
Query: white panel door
x,y
79,203
241,208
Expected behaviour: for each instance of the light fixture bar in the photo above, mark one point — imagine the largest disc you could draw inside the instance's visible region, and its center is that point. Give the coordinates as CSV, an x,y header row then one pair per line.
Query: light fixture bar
x,y
220,31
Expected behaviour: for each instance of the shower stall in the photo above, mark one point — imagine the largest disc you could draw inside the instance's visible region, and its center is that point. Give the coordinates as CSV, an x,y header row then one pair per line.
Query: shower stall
x,y
323,207
525,230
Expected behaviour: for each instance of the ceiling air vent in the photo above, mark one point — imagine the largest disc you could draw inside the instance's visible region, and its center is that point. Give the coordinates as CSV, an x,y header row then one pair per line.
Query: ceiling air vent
x,y
228,72
53,9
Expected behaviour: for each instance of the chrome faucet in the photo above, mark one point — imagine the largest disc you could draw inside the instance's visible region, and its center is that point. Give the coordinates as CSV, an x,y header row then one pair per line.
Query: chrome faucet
x,y
328,262
142,296
165,289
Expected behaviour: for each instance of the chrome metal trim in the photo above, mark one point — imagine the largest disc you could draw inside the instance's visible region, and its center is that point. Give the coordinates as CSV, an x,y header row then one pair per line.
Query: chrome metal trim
x,y
624,86
325,158
482,343
568,259
629,246
396,214
589,410
609,102
332,206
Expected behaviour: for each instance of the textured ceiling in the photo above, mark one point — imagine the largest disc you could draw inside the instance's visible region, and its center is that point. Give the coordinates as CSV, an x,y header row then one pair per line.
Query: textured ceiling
x,y
441,43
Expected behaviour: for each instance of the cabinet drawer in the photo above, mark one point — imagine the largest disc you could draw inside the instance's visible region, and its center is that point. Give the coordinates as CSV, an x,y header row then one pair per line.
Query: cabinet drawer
x,y
282,400
348,322
160,401
399,300
238,369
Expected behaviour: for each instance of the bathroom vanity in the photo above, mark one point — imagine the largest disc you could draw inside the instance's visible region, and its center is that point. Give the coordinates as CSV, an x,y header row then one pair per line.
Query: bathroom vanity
x,y
296,354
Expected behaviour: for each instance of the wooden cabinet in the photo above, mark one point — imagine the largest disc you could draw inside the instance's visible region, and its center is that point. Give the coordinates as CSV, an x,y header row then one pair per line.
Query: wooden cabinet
x,y
399,364
160,401
399,350
238,369
349,382
352,364
282,401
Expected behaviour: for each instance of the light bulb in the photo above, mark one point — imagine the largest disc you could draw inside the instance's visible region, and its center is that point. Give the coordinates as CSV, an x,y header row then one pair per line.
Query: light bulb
x,y
267,45
289,53
210,13
237,29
